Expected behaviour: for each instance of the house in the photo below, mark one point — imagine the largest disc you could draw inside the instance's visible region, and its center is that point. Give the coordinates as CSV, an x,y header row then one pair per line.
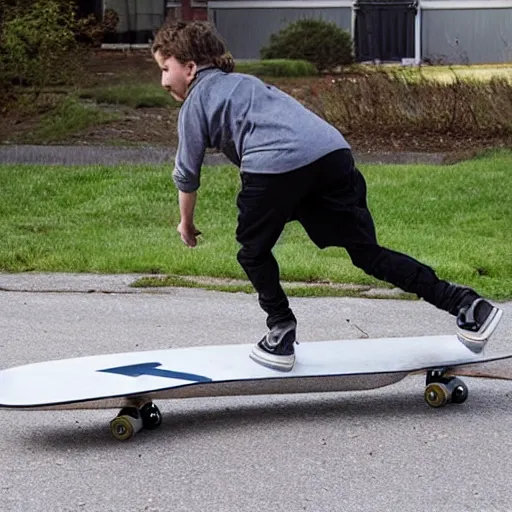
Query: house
x,y
464,31
438,31
139,18
444,31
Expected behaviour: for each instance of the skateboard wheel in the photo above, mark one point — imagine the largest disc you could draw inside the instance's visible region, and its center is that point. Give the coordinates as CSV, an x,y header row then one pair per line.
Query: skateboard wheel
x,y
126,424
459,391
436,394
151,416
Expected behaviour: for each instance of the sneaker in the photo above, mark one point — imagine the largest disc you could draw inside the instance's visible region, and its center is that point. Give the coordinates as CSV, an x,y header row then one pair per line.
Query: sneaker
x,y
275,350
476,322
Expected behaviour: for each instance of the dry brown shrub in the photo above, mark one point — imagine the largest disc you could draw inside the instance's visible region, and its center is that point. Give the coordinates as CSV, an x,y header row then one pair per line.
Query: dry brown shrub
x,y
397,102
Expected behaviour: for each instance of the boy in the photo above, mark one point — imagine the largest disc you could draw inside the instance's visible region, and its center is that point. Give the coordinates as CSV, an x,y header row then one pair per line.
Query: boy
x,y
294,166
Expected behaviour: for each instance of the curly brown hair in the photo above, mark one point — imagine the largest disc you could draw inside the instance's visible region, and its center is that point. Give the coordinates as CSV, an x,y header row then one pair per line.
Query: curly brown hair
x,y
196,41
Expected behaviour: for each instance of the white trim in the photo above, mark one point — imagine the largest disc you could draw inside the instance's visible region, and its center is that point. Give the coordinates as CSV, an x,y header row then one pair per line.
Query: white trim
x,y
417,37
425,4
199,4
465,4
275,4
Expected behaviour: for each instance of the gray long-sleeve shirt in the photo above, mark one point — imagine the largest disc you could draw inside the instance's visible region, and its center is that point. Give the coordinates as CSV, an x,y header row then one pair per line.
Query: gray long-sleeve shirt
x,y
258,127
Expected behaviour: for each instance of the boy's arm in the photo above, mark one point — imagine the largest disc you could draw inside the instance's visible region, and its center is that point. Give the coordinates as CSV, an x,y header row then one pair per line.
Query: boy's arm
x,y
192,144
189,158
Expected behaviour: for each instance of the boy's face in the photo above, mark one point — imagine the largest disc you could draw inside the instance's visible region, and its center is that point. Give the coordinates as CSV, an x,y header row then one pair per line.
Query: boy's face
x,y
176,77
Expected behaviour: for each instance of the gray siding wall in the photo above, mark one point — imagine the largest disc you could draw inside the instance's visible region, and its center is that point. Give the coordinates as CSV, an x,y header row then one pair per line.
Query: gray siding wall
x,y
247,30
467,36
136,15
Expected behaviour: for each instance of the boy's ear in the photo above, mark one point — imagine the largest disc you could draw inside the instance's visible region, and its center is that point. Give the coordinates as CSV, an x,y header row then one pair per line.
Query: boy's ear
x,y
191,67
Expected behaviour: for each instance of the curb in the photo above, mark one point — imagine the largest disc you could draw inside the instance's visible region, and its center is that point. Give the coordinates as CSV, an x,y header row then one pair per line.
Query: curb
x,y
123,284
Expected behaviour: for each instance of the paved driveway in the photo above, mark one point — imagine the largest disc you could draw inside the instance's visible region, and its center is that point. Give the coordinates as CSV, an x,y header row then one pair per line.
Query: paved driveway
x,y
370,451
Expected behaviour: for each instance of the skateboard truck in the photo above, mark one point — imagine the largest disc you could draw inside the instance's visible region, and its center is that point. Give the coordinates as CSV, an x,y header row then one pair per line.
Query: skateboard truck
x,y
133,418
441,390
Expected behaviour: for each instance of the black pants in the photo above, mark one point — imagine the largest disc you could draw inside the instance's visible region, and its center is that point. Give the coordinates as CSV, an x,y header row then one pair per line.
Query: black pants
x,y
328,197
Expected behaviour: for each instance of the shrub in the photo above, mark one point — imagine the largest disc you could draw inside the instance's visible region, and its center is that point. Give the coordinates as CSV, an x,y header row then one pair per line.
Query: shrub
x,y
277,68
92,31
322,43
405,103
37,42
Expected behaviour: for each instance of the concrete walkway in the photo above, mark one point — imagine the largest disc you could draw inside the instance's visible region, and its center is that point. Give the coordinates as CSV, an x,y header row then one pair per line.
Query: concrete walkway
x,y
112,155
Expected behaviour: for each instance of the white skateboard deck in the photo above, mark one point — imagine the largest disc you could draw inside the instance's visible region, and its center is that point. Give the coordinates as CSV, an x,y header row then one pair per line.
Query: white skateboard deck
x,y
114,380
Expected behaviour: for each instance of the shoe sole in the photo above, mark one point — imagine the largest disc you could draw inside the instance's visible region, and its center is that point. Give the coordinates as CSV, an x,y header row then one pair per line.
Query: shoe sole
x,y
476,341
280,363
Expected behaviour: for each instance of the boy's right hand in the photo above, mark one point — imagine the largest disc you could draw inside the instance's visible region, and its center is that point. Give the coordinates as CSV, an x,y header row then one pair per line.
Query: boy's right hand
x,y
188,233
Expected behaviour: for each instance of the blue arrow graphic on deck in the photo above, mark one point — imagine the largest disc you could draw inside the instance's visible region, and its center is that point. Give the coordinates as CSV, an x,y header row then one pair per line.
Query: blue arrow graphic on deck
x,y
136,370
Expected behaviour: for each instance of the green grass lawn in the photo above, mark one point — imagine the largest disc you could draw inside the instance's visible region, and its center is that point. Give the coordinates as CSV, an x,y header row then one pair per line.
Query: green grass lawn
x,y
444,74
135,96
480,72
122,219
276,68
70,116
